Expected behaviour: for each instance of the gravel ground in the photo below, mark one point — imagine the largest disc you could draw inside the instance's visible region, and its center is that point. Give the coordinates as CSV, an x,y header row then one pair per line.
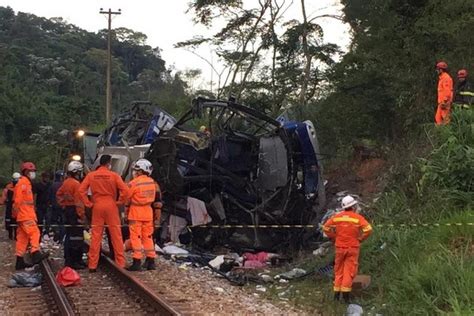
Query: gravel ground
x,y
203,290
6,248
208,293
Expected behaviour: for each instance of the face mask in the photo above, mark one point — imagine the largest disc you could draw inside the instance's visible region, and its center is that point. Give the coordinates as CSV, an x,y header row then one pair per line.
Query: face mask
x,y
32,175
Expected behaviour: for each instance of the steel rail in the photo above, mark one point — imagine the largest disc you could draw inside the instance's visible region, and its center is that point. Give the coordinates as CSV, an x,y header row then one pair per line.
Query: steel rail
x,y
60,298
161,306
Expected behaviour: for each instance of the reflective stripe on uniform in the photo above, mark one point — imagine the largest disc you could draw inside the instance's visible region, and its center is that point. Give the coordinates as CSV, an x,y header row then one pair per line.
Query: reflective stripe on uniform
x,y
346,289
346,219
144,183
367,228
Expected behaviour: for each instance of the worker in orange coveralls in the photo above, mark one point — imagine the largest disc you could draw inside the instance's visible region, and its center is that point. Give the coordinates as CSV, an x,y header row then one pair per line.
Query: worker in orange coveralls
x,y
105,185
348,228
143,208
25,215
68,198
445,94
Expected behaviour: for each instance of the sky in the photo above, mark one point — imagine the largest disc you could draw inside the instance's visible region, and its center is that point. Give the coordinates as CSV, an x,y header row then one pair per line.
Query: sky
x,y
165,22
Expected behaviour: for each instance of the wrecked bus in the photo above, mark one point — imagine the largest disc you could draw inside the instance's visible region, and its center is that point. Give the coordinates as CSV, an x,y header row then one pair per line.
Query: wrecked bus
x,y
244,168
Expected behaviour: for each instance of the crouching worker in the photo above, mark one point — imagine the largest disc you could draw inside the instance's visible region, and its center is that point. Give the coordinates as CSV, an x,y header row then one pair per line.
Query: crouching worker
x,y
348,229
140,213
25,215
69,199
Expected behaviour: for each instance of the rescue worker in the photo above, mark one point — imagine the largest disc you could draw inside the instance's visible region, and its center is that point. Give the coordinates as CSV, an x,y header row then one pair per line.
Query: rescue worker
x,y
74,215
7,200
41,189
104,185
25,215
445,94
348,229
140,214
464,96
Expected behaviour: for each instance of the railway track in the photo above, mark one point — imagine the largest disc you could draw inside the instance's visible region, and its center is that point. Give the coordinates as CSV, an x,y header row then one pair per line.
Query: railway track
x,y
110,291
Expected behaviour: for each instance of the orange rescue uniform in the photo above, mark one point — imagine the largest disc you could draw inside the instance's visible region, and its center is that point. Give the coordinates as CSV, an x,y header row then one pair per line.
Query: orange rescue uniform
x,y
104,185
24,212
68,195
142,194
445,98
348,228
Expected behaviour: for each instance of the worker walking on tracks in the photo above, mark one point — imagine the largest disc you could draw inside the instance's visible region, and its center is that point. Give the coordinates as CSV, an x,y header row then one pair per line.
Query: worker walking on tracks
x,y
348,228
143,208
28,232
105,185
464,95
445,94
7,201
68,198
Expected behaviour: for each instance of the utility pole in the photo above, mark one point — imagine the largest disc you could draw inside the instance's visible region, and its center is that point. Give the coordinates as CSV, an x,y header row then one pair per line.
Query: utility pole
x,y
108,105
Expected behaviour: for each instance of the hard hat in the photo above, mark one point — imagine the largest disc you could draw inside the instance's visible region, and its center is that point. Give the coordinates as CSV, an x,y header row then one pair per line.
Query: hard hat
x,y
348,201
74,166
16,176
144,165
462,73
442,65
202,128
27,166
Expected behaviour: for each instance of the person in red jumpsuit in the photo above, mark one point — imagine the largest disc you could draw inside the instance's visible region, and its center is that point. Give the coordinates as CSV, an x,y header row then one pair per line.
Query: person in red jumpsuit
x,y
140,214
24,213
105,185
68,198
348,229
445,94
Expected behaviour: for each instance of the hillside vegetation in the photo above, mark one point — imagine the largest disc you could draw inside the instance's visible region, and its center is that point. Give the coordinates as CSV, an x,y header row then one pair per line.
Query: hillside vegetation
x,y
52,73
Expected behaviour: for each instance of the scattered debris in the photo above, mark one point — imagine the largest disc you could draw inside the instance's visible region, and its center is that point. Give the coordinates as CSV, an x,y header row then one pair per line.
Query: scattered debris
x,y
174,250
293,274
219,289
361,282
354,310
68,277
25,279
323,249
217,262
260,288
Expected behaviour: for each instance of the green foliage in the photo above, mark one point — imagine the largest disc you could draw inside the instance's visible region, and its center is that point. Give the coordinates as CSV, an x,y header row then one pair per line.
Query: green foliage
x,y
53,73
451,164
385,86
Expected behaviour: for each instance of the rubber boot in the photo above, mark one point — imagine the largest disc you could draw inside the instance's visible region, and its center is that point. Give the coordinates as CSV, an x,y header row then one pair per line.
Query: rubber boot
x,y
136,266
347,297
149,263
37,257
21,264
337,296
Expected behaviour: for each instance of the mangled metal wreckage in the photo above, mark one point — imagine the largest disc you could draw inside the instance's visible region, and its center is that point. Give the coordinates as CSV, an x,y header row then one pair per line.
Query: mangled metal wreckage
x,y
245,168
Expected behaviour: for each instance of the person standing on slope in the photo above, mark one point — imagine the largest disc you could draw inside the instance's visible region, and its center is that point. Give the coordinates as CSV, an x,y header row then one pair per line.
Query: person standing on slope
x,y
445,94
347,229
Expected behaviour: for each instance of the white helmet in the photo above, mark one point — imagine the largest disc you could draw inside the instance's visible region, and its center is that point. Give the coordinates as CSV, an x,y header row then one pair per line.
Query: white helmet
x,y
75,166
16,176
348,201
143,165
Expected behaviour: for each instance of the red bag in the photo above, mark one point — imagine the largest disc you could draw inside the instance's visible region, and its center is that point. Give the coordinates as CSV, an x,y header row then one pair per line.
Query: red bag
x,y
68,277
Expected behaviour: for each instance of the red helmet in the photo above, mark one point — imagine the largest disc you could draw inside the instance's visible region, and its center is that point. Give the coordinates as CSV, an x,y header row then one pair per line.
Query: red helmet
x,y
27,166
462,73
442,65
